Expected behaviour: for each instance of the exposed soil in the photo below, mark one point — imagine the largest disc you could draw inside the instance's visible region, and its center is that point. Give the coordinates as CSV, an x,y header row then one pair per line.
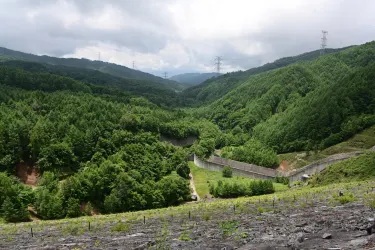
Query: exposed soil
x,y
27,173
299,225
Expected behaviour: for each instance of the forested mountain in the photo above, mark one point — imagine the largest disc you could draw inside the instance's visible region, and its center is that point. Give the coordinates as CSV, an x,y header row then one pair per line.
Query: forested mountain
x,y
217,87
155,92
104,146
312,104
192,79
105,67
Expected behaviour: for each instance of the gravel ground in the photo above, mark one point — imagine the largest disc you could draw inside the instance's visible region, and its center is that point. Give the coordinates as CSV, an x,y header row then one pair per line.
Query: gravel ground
x,y
301,225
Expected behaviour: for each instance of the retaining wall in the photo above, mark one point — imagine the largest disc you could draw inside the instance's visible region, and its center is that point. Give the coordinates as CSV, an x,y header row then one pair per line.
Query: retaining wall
x,y
215,163
319,166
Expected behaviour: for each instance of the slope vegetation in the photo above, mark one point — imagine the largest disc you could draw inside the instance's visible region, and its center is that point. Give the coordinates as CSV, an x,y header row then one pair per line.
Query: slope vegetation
x,y
216,88
110,68
305,105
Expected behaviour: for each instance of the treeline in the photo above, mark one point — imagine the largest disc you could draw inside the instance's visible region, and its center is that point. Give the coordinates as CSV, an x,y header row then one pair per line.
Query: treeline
x,y
254,152
98,82
234,189
215,88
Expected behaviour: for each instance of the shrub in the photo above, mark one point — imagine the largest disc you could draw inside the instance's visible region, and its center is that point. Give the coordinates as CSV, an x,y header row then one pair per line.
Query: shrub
x,y
282,179
233,189
73,208
120,227
346,198
227,172
183,170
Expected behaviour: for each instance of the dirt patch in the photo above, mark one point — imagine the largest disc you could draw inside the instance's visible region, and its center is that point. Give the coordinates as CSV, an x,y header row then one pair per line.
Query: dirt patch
x,y
27,173
284,167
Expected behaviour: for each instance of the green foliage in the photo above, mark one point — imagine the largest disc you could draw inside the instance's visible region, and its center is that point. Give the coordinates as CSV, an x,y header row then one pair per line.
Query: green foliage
x,y
14,199
228,228
233,189
227,172
346,198
49,205
73,208
282,179
252,152
354,169
120,227
14,210
174,190
183,170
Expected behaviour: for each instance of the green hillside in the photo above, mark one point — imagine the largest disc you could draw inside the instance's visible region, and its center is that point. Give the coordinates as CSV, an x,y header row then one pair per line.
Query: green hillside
x,y
216,88
157,93
110,68
359,168
304,105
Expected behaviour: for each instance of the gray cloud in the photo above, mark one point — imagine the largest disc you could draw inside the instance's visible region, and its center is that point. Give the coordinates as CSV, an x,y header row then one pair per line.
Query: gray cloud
x,y
148,30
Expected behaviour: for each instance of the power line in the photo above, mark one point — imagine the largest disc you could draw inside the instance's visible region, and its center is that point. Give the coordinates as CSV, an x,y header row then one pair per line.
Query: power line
x,y
218,63
324,42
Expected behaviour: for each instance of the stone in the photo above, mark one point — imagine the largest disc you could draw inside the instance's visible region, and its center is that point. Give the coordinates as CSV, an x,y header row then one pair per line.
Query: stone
x,y
327,236
358,242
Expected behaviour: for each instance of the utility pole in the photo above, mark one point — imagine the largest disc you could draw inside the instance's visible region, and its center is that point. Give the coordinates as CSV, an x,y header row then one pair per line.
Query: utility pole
x,y
165,75
218,63
324,42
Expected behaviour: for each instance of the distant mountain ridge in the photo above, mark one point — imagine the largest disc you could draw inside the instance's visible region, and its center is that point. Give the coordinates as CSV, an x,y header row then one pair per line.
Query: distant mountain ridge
x,y
105,67
215,88
192,79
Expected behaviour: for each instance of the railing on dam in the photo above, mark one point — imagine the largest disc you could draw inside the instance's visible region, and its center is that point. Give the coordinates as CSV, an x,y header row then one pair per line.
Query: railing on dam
x,y
216,163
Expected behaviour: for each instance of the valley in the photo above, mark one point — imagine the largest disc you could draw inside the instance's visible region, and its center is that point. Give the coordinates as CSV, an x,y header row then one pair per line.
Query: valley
x,y
87,137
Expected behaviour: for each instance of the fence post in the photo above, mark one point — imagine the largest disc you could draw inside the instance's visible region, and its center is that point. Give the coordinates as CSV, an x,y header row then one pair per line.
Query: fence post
x,y
89,226
234,208
144,219
189,215
32,234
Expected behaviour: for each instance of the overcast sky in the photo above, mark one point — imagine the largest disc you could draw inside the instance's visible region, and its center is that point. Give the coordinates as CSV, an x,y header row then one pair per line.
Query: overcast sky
x,y
183,35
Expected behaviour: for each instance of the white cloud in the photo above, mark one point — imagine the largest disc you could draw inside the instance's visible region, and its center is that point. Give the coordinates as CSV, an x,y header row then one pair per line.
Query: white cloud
x,y
183,35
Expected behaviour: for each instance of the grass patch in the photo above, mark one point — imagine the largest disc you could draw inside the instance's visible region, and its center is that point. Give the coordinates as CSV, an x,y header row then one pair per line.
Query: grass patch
x,y
120,227
203,178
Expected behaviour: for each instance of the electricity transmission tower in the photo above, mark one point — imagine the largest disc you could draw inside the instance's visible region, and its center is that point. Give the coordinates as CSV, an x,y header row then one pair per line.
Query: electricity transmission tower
x,y
165,75
324,42
133,64
218,63
99,56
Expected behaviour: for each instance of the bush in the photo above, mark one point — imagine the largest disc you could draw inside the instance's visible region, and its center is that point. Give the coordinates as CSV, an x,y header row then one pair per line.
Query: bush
x,y
233,189
14,210
183,170
73,208
227,172
282,179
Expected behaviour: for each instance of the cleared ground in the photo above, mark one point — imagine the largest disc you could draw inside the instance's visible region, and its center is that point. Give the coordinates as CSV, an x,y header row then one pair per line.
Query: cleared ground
x,y
295,219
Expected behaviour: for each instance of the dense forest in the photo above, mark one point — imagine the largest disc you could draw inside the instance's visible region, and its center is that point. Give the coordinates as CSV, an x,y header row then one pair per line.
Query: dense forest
x,y
95,137
217,87
105,67
305,105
